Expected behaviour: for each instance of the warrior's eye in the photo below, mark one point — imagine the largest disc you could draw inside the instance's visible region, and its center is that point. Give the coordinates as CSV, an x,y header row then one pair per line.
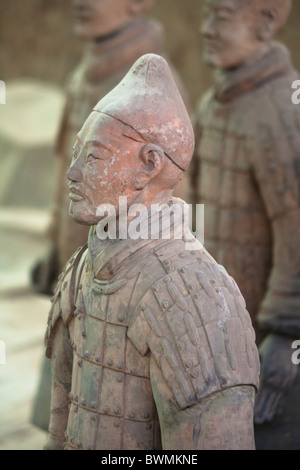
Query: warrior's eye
x,y
90,158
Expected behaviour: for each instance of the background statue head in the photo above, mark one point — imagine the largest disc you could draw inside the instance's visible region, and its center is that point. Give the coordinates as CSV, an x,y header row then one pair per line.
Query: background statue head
x,y
235,32
96,19
137,142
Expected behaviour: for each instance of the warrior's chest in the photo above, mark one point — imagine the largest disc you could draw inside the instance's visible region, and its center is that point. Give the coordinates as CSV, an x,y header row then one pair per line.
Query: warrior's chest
x,y
100,324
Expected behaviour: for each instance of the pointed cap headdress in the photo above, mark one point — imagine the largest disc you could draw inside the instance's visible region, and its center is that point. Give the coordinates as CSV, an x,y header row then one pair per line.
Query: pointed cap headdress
x,y
148,101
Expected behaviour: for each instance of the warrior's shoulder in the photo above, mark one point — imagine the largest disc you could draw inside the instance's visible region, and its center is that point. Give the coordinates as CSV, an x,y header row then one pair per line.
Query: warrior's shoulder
x,y
195,323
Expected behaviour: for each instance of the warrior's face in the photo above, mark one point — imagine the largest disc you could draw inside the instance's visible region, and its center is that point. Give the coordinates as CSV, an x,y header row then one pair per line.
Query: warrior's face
x,y
230,33
103,168
96,19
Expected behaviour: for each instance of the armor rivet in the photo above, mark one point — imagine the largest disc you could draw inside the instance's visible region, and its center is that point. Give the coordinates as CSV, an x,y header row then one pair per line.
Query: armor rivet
x,y
106,409
168,279
148,426
133,370
121,365
219,305
188,364
131,414
120,378
76,398
155,287
72,440
117,424
93,417
79,362
117,411
97,358
196,296
83,402
94,406
165,304
212,281
79,316
146,415
182,255
181,346
166,263
143,307
190,286
83,333
182,270
76,409
218,291
110,362
194,374
86,354
80,286
121,319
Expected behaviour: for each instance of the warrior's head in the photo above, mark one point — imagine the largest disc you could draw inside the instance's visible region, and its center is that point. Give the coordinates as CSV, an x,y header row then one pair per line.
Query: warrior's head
x,y
96,19
137,142
236,32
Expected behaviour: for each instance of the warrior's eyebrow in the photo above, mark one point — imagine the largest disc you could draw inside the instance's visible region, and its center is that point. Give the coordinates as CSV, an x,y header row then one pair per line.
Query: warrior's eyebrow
x,y
93,142
99,144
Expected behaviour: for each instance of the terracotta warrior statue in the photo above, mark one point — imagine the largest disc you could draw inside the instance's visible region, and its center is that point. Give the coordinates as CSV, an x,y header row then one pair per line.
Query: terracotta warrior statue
x,y
150,342
117,34
247,173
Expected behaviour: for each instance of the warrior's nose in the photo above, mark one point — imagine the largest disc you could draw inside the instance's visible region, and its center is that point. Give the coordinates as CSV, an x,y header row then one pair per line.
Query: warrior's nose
x,y
74,174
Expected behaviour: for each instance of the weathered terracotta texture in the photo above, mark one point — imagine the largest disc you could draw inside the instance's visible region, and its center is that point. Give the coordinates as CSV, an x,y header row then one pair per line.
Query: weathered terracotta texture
x,y
150,343
117,35
246,172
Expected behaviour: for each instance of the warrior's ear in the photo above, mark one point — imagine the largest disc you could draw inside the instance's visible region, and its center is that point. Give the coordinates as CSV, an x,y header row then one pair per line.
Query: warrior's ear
x,y
138,6
152,161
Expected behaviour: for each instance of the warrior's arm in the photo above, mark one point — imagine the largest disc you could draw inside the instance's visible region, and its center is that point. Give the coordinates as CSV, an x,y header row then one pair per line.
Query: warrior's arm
x,y
61,359
203,360
277,171
59,349
222,421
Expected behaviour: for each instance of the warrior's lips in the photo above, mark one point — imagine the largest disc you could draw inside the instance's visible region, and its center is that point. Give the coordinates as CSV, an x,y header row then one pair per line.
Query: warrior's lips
x,y
75,195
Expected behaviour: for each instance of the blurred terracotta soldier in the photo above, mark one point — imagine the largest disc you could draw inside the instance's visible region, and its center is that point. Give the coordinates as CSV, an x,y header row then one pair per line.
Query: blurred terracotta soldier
x,y
118,34
150,343
247,173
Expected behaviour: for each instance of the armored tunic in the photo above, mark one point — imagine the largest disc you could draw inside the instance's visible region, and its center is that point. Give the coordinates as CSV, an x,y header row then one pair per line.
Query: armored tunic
x,y
138,331
247,175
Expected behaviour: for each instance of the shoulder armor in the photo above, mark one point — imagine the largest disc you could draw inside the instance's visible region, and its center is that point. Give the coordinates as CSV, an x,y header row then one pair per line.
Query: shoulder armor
x,y
64,294
195,323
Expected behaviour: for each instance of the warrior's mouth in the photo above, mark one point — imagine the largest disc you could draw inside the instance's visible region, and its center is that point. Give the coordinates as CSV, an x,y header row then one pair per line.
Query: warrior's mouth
x,y
76,195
